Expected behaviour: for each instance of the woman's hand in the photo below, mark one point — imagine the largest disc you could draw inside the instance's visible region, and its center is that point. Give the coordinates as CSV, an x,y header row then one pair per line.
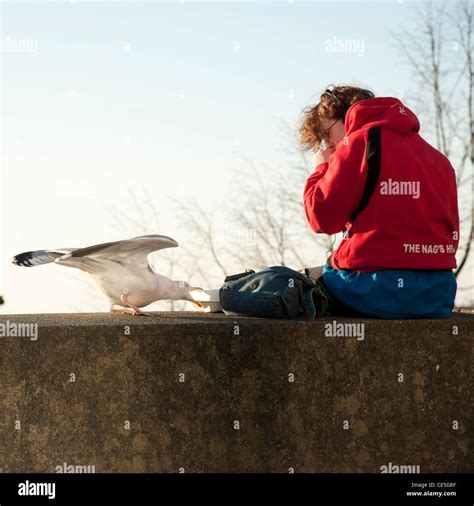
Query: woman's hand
x,y
322,155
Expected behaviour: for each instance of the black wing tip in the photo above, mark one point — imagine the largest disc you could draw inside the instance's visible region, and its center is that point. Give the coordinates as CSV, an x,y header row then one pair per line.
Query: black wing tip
x,y
23,259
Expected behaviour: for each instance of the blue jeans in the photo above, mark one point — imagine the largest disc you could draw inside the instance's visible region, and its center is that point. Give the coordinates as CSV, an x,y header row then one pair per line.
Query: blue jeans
x,y
390,294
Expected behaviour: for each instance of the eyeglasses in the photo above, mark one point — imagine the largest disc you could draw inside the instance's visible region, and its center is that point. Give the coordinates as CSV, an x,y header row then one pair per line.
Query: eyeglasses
x,y
328,130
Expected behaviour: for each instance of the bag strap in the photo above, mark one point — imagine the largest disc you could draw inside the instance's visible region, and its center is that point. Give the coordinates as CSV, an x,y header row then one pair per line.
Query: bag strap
x,y
240,275
373,157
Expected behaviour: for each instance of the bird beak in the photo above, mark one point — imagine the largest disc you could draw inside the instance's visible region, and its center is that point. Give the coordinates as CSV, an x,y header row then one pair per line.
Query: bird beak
x,y
196,302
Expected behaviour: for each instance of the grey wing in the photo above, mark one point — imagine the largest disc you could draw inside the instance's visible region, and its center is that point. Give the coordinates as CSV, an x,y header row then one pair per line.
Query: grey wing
x,y
130,251
40,257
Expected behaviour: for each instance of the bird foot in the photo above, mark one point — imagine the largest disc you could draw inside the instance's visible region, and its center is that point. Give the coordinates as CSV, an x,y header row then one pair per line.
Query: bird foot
x,y
198,304
137,312
120,311
134,312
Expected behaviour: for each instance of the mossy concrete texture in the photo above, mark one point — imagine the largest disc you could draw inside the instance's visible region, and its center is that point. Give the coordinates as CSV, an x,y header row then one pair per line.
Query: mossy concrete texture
x,y
199,392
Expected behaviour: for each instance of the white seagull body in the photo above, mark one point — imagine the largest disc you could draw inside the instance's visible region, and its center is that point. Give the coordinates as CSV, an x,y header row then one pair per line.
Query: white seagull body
x,y
121,271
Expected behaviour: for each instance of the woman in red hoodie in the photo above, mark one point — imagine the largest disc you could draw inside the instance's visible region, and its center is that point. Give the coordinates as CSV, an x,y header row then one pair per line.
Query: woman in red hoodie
x,y
392,195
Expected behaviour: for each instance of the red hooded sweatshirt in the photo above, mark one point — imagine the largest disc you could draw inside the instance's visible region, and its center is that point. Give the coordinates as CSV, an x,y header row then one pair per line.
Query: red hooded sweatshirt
x,y
411,220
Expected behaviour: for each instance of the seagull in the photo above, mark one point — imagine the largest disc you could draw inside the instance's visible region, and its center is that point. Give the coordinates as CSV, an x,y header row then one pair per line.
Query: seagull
x,y
121,271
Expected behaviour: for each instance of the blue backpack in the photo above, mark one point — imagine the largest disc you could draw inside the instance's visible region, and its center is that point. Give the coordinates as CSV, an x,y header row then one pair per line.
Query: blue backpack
x,y
275,292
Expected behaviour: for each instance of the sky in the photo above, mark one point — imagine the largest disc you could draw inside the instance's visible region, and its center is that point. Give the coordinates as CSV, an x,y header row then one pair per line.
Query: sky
x,y
102,98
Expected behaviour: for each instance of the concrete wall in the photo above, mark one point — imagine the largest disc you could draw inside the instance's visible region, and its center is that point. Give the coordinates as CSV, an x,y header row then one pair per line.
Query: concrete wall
x,y
347,410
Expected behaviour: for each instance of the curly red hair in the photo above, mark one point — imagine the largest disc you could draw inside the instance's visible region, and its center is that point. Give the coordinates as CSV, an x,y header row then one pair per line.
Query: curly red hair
x,y
333,105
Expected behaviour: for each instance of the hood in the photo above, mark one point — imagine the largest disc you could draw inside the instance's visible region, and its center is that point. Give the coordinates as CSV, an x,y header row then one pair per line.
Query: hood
x,y
384,111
